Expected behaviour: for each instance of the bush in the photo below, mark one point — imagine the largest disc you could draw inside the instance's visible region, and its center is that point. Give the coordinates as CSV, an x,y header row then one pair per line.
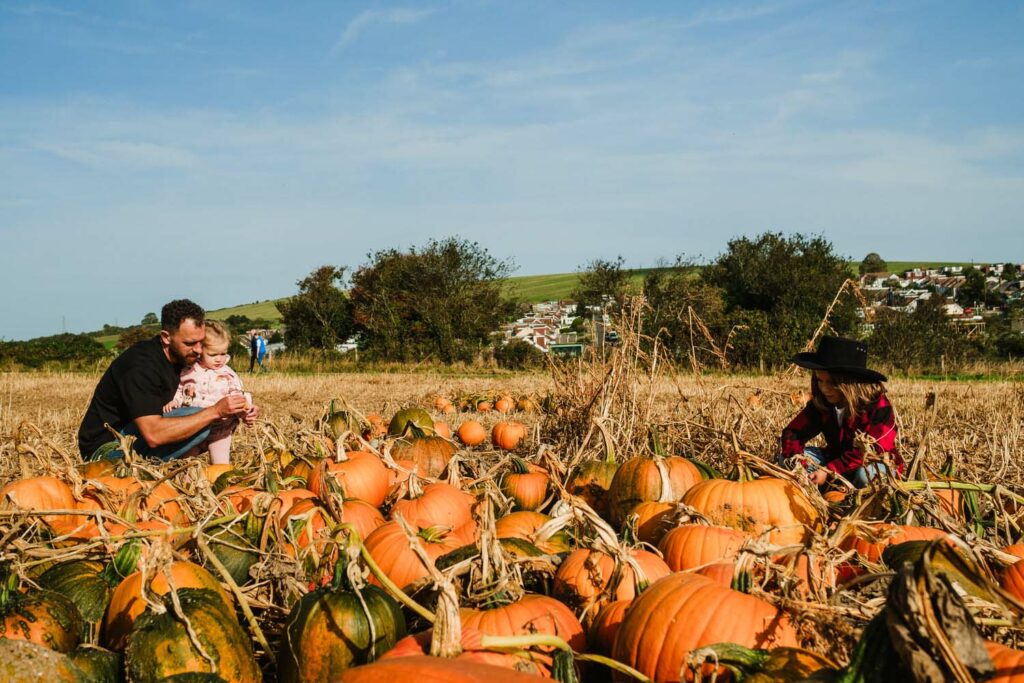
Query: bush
x,y
517,355
74,349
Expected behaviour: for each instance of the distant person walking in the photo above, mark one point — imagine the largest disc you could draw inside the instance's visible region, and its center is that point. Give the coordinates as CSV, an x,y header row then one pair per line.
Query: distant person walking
x,y
261,350
254,347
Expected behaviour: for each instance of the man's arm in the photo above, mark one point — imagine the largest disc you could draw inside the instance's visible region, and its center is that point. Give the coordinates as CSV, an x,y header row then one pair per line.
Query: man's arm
x,y
157,430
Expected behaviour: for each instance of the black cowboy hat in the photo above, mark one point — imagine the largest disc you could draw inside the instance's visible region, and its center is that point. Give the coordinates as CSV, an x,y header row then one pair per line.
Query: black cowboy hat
x,y
841,354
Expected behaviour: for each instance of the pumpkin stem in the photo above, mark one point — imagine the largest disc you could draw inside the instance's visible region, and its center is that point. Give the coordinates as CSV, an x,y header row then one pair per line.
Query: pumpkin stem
x,y
125,562
446,640
656,447
415,488
519,465
339,581
563,667
434,534
948,470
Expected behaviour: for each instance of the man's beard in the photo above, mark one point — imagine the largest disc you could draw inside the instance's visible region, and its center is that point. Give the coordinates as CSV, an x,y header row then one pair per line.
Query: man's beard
x,y
179,359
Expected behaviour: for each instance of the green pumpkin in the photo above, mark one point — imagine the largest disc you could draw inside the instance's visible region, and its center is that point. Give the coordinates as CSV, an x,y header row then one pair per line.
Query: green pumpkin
x,y
340,422
159,646
85,584
22,662
328,631
98,665
416,417
234,551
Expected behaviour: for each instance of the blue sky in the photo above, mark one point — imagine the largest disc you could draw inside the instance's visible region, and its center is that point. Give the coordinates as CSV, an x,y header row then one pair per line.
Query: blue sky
x,y
222,150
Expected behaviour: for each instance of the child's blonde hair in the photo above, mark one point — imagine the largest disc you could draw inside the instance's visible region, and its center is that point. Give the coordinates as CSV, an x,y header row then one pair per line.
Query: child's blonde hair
x,y
216,332
858,393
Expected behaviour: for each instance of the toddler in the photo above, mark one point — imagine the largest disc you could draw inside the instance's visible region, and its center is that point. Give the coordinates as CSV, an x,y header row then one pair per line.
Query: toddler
x,y
206,382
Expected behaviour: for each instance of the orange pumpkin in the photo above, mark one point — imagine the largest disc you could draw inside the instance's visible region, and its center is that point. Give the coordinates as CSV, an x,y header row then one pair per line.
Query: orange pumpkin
x,y
128,497
1012,579
507,435
721,573
525,524
505,404
653,520
472,433
683,612
530,614
42,493
695,545
425,669
662,479
756,506
582,580
871,551
430,453
1009,663
471,643
1017,550
483,406
359,474
591,483
604,628
437,504
127,604
39,616
526,484
389,547
443,430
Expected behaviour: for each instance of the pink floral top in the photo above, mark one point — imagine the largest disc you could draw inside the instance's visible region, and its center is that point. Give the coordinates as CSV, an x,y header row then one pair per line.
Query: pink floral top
x,y
202,387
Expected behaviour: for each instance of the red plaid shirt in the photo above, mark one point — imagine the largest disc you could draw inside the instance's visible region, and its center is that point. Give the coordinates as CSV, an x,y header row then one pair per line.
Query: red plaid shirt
x,y
841,456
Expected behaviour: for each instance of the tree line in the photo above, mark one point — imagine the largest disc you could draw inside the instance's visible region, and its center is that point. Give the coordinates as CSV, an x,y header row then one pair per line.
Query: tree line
x,y
751,307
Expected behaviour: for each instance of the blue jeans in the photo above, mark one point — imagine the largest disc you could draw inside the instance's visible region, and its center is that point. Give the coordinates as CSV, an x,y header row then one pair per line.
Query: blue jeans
x,y
859,477
168,451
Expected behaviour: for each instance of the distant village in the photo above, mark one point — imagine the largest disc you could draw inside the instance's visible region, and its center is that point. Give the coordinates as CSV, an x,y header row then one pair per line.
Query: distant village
x,y
905,291
548,326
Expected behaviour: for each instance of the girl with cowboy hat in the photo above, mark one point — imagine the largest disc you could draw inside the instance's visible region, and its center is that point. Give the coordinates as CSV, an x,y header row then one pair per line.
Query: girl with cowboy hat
x,y
847,399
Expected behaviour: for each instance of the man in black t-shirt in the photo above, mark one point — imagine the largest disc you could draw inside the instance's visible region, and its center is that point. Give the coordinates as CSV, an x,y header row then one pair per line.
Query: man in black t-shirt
x,y
133,391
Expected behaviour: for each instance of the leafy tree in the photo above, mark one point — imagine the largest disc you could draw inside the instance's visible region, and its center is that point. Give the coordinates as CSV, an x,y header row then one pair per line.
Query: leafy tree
x,y
680,301
150,319
781,288
320,315
517,355
132,336
873,263
600,279
918,340
975,290
443,300
1009,272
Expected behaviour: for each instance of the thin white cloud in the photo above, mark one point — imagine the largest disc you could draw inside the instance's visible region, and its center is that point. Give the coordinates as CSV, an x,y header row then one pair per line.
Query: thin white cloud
x,y
727,14
119,155
367,18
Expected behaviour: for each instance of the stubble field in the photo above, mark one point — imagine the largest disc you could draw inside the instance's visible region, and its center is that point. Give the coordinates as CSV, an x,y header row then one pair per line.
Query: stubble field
x,y
584,412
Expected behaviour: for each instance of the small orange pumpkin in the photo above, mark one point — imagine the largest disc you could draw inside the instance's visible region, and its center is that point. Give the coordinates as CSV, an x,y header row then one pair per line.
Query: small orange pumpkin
x,y
526,484
505,404
472,433
508,435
